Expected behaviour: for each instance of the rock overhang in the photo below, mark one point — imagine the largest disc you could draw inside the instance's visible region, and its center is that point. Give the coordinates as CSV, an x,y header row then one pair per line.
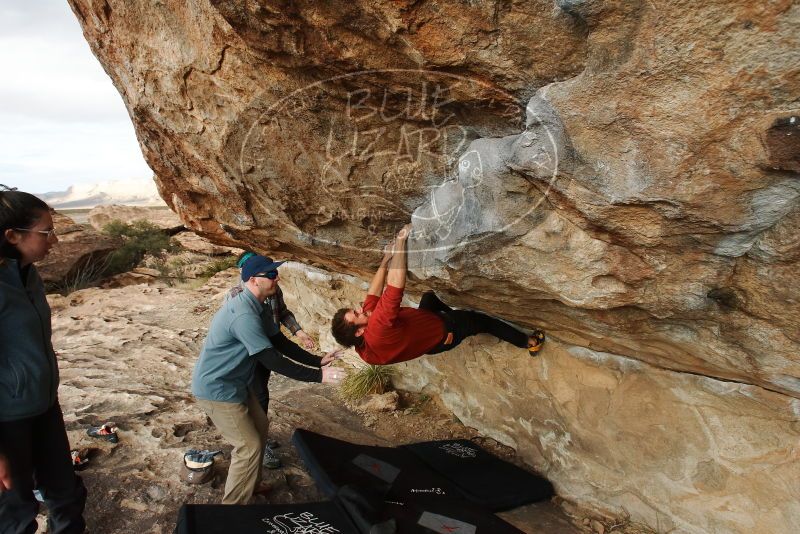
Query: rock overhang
x,y
663,192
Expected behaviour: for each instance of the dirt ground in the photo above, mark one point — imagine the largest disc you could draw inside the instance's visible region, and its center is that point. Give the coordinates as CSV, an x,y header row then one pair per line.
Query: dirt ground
x,y
126,356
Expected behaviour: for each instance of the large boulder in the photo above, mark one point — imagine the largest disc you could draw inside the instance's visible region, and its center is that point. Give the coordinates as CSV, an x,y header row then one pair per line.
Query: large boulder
x,y
79,255
622,173
641,200
165,219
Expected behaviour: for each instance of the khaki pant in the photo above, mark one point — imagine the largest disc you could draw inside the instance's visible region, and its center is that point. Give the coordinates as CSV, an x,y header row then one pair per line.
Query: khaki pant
x,y
245,426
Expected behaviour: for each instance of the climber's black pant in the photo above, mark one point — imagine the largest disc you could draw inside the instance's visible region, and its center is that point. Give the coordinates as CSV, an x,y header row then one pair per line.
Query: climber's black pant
x,y
37,451
465,323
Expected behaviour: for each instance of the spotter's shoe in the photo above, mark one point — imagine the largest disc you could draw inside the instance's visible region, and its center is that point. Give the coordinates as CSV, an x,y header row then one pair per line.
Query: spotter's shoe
x,y
271,460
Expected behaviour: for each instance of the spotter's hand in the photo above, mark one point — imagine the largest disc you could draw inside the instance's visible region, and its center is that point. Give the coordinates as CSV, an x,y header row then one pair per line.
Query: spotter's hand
x,y
331,356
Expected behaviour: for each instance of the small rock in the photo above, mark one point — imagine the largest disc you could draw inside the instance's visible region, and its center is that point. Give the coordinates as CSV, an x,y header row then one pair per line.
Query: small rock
x,y
147,271
194,243
131,278
387,402
134,505
598,527
156,493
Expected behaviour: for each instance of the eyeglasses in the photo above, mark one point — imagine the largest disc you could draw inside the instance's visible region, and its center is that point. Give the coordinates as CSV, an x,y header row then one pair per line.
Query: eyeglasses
x,y
272,275
49,233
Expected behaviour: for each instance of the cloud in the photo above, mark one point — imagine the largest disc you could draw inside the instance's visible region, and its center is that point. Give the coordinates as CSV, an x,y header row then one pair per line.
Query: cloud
x,y
52,20
62,122
50,156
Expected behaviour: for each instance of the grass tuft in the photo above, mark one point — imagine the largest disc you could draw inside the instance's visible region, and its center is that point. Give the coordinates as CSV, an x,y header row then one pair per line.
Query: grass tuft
x,y
86,274
366,381
218,265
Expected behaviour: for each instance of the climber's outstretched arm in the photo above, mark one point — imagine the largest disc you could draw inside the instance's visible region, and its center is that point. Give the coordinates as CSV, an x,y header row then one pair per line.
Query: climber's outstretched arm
x,y
399,264
379,280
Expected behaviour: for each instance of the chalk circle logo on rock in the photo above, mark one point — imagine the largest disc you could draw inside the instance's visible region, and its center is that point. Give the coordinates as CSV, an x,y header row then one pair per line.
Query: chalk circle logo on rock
x,y
383,147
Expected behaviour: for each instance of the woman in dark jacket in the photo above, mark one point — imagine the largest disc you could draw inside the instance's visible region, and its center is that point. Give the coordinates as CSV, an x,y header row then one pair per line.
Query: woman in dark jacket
x,y
34,450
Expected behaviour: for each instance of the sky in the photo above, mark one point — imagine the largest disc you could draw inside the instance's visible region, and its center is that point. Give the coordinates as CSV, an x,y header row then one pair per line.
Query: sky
x,y
62,122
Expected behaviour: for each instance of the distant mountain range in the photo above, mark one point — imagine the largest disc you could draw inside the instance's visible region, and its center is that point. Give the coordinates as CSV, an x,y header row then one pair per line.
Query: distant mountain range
x,y
124,192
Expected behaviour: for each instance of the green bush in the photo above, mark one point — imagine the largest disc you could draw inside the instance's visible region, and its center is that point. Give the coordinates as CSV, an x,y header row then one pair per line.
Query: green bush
x,y
138,239
366,381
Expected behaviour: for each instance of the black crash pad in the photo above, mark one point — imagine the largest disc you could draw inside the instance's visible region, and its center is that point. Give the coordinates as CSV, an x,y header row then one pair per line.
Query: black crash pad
x,y
480,476
389,472
319,518
428,472
372,515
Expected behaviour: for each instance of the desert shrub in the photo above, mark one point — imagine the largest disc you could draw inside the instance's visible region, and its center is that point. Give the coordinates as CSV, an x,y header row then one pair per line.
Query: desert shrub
x,y
177,269
138,239
366,381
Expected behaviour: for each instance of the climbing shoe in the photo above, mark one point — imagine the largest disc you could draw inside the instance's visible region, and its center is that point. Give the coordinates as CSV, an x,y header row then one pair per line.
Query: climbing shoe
x,y
107,431
80,459
271,460
536,341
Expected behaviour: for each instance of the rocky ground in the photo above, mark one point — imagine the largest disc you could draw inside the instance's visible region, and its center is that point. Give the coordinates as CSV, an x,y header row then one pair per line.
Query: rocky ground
x,y
126,356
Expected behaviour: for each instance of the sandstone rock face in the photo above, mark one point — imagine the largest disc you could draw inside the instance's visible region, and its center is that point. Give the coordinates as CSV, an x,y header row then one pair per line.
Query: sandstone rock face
x,y
677,451
80,252
100,216
623,174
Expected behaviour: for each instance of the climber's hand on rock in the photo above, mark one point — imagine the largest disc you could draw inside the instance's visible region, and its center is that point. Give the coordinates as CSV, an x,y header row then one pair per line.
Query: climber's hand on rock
x,y
404,232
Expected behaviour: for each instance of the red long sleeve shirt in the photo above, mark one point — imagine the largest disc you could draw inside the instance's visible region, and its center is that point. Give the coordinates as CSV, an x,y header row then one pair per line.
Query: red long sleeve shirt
x,y
396,333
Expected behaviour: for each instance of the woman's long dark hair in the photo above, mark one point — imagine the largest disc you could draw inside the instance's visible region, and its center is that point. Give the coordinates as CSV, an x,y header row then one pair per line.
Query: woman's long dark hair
x,y
17,210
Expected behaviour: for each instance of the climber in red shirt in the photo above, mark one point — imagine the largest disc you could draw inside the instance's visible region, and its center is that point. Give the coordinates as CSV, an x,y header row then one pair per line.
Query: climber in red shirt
x,y
384,332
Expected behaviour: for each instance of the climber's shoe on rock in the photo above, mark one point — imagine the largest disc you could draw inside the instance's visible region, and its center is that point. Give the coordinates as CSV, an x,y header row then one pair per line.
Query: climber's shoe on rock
x,y
535,342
